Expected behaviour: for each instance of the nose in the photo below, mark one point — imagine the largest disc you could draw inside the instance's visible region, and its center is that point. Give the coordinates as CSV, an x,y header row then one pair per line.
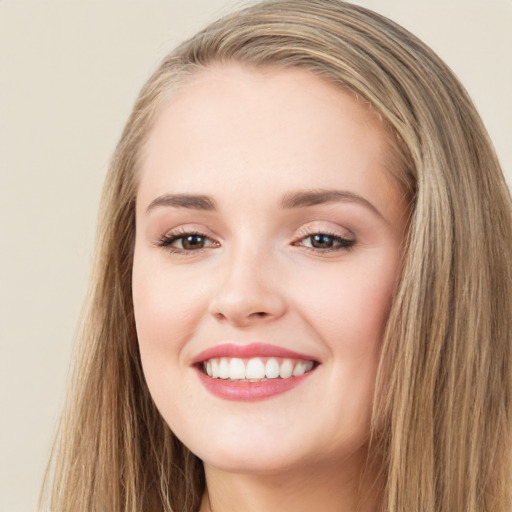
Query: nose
x,y
249,291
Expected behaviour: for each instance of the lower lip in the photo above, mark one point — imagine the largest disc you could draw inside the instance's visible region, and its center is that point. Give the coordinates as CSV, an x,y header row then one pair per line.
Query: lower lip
x,y
249,391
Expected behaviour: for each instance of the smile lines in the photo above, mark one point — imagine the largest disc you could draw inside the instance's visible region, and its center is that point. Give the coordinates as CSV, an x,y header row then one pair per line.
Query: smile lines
x,y
255,369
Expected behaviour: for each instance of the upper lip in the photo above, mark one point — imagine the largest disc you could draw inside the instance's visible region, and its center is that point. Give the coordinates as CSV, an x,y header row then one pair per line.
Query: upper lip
x,y
249,350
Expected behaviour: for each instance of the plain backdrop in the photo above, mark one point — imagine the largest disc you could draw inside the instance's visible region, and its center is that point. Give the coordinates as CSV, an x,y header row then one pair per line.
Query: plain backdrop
x,y
69,73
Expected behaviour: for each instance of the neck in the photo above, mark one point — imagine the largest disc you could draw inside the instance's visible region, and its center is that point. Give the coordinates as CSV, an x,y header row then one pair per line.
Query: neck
x,y
330,489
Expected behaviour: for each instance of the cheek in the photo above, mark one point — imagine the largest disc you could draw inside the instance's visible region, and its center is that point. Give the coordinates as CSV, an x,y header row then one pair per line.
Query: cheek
x,y
165,320
351,305
165,309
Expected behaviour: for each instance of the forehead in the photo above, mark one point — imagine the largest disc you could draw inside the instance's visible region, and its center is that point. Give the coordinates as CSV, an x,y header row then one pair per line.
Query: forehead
x,y
259,127
253,94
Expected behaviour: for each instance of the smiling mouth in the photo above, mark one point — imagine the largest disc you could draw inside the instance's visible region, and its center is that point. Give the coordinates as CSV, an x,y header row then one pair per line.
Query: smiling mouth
x,y
255,369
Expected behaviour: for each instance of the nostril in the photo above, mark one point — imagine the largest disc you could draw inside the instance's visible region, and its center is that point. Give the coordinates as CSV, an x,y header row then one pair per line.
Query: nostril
x,y
246,309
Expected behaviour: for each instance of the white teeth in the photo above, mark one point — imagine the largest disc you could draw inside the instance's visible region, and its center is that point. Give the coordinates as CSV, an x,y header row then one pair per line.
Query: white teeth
x,y
272,369
236,369
300,369
255,369
224,368
214,367
286,370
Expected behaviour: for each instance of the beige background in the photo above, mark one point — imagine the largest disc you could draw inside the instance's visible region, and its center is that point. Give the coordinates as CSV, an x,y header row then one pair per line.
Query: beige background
x,y
69,72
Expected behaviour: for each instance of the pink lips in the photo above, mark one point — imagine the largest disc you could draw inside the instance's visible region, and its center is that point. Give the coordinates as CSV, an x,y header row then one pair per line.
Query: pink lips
x,y
247,351
248,391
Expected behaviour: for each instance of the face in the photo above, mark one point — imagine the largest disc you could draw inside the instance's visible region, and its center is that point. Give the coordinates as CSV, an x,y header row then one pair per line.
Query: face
x,y
268,245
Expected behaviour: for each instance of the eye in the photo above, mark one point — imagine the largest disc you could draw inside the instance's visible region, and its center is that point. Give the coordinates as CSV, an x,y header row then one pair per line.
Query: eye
x,y
186,242
326,242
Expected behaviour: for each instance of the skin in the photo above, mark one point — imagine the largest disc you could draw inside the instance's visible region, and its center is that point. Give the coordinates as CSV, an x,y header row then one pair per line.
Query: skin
x,y
247,139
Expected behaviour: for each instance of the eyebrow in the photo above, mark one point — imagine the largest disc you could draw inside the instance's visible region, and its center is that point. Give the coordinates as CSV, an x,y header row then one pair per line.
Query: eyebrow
x,y
307,198
193,202
291,200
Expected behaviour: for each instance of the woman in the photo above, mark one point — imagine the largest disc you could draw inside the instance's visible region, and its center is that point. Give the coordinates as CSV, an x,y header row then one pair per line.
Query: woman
x,y
302,292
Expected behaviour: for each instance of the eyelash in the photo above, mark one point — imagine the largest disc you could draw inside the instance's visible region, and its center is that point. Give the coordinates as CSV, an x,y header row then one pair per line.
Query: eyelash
x,y
166,241
344,244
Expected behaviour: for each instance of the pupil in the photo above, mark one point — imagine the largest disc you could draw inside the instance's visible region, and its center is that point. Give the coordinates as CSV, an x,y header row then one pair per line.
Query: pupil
x,y
322,241
193,242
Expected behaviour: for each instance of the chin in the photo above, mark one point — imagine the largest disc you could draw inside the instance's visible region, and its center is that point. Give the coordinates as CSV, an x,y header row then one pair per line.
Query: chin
x,y
246,454
253,463
273,454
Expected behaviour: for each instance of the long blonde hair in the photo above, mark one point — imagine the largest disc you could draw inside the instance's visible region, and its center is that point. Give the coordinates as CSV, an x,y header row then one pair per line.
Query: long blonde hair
x,y
442,421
